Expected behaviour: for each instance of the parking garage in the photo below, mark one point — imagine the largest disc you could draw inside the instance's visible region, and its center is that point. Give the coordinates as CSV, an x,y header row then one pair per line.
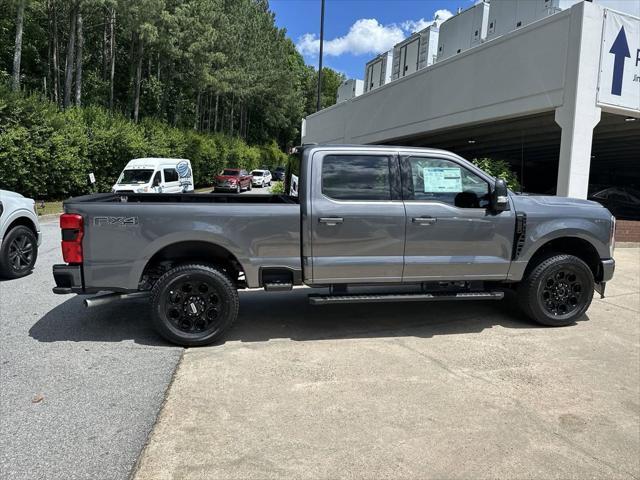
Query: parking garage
x,y
558,99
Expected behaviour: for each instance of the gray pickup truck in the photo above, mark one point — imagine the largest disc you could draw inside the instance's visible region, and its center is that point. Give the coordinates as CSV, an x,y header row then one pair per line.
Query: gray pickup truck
x,y
370,223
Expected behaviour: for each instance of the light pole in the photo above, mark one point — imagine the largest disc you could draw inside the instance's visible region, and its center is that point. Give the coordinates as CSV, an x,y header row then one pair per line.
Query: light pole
x,y
320,59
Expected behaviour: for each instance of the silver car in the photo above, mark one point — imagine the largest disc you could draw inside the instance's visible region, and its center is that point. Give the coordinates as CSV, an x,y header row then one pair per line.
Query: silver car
x,y
261,178
19,235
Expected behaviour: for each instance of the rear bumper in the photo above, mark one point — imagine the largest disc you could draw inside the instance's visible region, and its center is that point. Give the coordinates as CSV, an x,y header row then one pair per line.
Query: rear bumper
x,y
68,279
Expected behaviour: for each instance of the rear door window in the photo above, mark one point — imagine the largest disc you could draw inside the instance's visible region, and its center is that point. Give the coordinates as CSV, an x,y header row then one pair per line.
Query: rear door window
x,y
356,177
170,175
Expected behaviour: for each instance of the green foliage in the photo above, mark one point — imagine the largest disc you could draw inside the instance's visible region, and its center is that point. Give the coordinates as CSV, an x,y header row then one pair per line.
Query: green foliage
x,y
498,169
217,66
277,188
47,153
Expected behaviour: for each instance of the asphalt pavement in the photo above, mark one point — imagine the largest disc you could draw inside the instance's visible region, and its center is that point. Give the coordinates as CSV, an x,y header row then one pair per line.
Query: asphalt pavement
x,y
79,389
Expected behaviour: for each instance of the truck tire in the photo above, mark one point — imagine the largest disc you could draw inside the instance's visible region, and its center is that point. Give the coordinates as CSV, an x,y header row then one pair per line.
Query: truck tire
x,y
18,253
557,291
194,305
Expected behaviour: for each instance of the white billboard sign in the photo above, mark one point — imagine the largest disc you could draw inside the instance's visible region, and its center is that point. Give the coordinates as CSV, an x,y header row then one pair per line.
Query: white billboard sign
x,y
619,84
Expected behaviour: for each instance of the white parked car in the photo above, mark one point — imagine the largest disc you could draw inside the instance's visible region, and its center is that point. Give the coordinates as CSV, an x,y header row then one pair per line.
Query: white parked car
x,y
261,178
155,175
19,235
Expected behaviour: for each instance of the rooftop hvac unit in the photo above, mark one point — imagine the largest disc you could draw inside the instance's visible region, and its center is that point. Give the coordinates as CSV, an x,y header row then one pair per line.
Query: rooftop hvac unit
x,y
508,15
377,72
349,89
463,31
416,52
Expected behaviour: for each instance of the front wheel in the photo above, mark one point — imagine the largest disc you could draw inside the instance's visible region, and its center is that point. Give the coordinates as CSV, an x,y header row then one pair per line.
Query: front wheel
x,y
557,291
194,305
18,253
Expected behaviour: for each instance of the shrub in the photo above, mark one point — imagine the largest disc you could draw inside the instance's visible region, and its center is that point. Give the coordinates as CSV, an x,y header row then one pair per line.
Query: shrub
x,y
47,154
498,169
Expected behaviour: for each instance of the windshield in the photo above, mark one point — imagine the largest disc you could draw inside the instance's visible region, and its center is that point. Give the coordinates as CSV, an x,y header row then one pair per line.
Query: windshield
x,y
257,173
231,172
135,176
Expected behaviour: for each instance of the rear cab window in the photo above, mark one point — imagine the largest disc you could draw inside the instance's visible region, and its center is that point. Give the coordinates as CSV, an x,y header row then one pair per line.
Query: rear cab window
x,y
356,177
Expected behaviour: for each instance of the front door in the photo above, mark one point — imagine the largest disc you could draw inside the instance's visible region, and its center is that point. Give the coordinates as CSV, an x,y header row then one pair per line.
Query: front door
x,y
451,233
358,219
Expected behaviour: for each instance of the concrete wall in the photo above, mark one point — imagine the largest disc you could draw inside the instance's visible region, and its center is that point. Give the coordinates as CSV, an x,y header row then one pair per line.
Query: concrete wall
x,y
520,73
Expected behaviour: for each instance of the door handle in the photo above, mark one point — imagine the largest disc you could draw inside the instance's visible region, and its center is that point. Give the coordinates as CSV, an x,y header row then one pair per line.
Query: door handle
x,y
331,220
424,220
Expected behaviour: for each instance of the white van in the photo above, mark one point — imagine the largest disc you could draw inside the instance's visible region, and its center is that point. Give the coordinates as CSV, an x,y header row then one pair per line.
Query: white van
x,y
155,175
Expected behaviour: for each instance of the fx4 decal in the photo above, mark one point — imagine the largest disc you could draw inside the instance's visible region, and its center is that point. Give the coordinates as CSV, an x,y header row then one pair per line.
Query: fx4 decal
x,y
120,221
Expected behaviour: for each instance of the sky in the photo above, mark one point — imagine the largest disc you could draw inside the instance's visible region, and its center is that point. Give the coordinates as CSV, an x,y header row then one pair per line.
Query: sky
x,y
357,30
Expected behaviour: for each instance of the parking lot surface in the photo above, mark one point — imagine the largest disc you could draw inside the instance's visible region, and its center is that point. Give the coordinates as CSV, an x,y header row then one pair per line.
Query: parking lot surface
x,y
441,390
79,389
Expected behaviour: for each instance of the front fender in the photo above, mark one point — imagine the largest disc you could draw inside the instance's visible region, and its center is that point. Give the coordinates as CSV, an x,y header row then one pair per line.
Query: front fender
x,y
540,232
594,231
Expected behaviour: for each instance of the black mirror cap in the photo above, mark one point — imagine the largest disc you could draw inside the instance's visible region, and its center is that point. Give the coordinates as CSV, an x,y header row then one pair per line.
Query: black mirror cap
x,y
500,196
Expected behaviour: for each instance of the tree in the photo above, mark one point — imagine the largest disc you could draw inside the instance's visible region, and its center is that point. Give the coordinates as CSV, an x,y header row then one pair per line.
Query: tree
x,y
17,55
79,58
53,60
71,47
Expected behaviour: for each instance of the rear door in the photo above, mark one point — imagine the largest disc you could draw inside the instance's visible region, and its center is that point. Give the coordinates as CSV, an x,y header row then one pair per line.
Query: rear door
x,y
357,218
452,234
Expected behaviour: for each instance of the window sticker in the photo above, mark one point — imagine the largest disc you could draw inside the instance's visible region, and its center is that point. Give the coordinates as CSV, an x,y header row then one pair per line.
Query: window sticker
x,y
442,180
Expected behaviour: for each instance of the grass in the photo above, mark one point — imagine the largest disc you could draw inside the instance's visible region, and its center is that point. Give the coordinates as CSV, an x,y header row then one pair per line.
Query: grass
x,y
50,208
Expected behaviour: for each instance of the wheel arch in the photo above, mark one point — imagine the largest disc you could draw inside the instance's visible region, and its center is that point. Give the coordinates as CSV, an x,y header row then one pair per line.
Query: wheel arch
x,y
21,221
569,245
193,251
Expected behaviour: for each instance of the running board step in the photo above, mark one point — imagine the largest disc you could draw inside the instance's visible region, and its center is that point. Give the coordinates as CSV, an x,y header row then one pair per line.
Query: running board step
x,y
403,297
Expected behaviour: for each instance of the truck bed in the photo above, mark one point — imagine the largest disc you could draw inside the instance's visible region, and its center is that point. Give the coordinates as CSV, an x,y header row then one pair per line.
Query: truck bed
x,y
123,232
184,198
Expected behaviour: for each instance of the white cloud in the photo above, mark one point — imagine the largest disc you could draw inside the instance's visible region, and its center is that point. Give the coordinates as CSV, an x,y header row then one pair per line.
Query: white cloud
x,y
416,25
367,36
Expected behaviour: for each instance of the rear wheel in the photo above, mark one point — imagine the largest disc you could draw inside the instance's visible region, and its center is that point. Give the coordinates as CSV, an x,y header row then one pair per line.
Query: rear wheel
x,y
557,291
18,253
194,305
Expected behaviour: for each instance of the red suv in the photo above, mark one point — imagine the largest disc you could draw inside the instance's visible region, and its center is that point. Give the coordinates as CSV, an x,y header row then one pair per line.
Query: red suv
x,y
232,180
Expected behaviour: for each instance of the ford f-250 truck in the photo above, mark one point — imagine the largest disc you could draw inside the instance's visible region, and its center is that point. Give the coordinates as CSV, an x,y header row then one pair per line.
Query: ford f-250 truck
x,y
366,218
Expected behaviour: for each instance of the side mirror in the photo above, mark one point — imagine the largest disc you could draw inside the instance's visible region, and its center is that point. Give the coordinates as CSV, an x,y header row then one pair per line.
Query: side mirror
x,y
499,196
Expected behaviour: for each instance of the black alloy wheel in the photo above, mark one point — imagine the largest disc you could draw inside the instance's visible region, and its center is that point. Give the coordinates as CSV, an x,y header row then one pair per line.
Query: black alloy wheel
x,y
18,253
557,290
562,291
194,304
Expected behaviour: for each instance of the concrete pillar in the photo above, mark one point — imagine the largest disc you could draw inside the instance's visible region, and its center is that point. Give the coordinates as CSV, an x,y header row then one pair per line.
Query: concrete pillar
x,y
575,149
579,113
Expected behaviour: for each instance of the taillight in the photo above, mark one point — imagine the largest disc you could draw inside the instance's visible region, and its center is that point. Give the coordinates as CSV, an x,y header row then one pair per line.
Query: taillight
x,y
72,232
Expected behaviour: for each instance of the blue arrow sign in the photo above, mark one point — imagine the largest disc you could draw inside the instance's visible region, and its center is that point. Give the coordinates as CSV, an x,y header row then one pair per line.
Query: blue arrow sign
x,y
620,50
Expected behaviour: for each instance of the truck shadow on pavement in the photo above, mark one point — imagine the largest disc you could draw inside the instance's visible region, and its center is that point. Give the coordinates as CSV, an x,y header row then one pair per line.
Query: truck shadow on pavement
x,y
116,322
265,316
